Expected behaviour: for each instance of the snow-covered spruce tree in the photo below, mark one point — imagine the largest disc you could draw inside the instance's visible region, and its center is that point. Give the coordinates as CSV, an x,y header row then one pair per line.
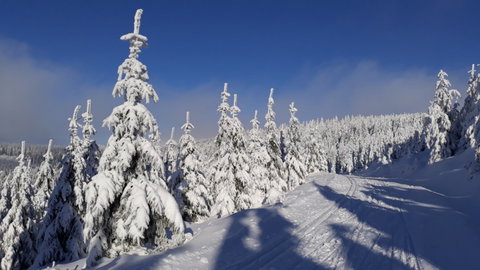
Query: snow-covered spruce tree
x,y
470,118
257,151
223,189
191,192
240,165
313,153
44,183
344,162
89,149
470,111
5,201
294,163
438,121
3,194
170,159
128,205
229,165
3,176
17,227
454,116
274,164
60,237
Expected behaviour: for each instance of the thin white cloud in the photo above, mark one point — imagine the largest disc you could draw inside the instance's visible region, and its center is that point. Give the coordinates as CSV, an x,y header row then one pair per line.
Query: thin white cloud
x,y
26,88
37,97
361,88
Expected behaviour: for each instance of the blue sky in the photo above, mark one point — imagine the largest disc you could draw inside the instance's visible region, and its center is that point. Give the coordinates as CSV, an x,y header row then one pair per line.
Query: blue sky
x,y
330,57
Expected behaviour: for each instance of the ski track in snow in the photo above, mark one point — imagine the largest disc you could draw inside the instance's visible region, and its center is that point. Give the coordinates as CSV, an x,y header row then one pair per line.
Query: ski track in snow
x,y
331,222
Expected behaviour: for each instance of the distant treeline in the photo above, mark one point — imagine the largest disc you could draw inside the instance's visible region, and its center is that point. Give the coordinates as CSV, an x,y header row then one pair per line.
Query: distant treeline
x,y
9,152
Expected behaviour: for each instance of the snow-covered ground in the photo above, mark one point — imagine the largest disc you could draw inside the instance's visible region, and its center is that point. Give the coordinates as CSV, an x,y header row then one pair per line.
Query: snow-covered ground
x,y
403,216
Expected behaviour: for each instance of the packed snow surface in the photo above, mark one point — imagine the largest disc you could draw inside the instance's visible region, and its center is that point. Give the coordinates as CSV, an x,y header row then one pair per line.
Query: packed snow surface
x,y
409,218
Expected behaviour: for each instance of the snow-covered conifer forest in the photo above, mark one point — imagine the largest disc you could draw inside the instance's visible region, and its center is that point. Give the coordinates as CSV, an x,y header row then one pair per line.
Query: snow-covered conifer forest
x,y
311,194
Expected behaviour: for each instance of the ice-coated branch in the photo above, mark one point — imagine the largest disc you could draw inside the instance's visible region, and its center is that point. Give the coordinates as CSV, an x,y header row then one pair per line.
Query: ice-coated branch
x,y
21,157
235,110
255,123
136,23
270,97
442,80
22,151
74,118
225,94
88,129
441,73
472,71
187,127
87,115
49,148
270,116
223,108
89,107
137,41
293,110
73,125
172,133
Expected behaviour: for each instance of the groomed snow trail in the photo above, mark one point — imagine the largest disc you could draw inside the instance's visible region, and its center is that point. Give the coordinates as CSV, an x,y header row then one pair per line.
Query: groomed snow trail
x,y
331,222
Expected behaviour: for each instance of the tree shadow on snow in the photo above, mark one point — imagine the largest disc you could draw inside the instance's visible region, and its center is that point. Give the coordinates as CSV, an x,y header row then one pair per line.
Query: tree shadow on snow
x,y
267,245
391,217
356,254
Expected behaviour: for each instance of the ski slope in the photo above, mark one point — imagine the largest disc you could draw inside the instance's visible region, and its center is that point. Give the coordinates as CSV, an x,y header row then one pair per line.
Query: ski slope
x,y
421,218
